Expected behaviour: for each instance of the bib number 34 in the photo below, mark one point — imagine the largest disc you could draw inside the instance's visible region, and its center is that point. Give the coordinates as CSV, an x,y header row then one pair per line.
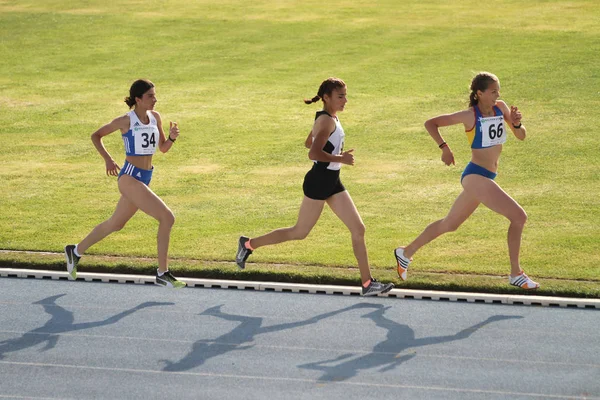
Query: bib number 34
x,y
148,140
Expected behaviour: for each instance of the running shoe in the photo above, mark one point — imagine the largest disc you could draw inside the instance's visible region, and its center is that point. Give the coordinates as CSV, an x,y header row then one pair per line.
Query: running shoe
x,y
243,253
168,280
72,260
402,262
376,287
523,281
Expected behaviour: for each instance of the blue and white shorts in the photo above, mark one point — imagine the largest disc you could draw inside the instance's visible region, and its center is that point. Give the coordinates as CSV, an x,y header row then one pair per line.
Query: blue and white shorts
x,y
142,175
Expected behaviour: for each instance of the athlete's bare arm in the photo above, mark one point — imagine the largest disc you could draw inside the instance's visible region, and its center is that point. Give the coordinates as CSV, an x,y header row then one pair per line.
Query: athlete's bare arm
x,y
432,125
120,123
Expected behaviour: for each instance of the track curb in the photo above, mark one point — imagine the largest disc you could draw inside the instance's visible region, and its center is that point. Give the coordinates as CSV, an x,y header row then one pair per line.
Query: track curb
x,y
469,297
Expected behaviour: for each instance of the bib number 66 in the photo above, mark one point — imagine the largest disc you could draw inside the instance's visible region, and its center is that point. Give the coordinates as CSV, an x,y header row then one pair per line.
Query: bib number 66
x,y
496,131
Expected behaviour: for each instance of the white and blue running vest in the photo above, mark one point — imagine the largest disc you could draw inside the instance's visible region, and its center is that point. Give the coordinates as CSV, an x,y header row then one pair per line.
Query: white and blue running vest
x,y
334,145
140,139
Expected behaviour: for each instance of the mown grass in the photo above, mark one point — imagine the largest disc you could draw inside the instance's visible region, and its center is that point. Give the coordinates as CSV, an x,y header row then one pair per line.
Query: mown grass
x,y
233,75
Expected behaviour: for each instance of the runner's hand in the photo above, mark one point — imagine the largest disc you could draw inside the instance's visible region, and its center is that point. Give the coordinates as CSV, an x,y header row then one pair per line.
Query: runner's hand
x,y
173,130
515,115
448,156
348,157
112,169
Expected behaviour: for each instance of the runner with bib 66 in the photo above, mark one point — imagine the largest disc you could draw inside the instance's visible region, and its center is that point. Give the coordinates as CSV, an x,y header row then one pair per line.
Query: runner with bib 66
x,y
486,122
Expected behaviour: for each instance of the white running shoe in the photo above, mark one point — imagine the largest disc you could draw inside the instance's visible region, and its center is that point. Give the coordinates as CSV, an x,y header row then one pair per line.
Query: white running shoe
x,y
402,262
523,281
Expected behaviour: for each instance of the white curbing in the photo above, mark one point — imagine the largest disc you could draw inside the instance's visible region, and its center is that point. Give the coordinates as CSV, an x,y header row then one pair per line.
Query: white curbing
x,y
545,301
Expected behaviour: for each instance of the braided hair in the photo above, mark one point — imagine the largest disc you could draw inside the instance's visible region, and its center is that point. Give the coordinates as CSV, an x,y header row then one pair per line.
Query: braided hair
x,y
327,86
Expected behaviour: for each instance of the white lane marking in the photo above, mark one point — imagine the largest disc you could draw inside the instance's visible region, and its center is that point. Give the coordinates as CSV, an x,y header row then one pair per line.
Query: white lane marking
x,y
298,380
404,351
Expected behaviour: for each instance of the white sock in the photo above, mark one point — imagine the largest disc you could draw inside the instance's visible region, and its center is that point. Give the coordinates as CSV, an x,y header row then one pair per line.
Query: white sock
x,y
75,251
161,273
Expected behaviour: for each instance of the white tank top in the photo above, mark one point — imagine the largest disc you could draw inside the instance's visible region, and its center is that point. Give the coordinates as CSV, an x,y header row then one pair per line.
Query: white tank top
x,y
334,145
140,139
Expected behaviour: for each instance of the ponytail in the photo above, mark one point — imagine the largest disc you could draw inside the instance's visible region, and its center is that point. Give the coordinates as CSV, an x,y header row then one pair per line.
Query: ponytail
x,y
327,86
473,99
313,100
129,101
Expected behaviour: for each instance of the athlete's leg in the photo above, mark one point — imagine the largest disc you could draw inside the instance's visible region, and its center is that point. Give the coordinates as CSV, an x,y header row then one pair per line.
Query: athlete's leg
x,y
343,206
146,200
492,196
464,205
123,212
309,214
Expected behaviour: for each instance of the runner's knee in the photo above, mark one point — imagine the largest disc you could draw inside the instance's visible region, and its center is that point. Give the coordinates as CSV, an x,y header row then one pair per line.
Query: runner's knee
x,y
167,218
359,231
520,218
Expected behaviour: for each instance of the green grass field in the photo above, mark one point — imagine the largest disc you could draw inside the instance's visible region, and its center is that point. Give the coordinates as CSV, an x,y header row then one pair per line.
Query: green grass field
x,y
234,73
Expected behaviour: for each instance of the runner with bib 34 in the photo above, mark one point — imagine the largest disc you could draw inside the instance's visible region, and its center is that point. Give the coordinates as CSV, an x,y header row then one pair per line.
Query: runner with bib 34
x,y
485,121
142,133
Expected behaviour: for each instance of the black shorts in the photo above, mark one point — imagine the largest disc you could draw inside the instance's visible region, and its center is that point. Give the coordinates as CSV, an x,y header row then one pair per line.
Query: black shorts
x,y
321,183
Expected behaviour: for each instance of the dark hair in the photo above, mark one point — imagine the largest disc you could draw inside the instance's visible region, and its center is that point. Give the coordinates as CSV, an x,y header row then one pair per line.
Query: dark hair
x,y
481,82
137,89
326,88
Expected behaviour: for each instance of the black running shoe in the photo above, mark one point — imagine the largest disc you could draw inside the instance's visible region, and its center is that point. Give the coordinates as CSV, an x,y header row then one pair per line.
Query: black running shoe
x,y
72,260
243,253
168,280
376,288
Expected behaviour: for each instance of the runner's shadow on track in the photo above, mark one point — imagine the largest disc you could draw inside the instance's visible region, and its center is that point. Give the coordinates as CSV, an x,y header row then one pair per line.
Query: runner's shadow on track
x,y
244,333
61,321
387,354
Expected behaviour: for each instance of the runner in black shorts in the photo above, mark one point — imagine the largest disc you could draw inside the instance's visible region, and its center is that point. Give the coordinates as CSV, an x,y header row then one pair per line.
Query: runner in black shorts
x,y
322,185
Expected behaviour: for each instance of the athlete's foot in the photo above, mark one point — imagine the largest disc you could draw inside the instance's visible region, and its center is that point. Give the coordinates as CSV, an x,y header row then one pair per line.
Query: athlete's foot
x,y
403,263
523,281
72,260
167,279
375,287
243,252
